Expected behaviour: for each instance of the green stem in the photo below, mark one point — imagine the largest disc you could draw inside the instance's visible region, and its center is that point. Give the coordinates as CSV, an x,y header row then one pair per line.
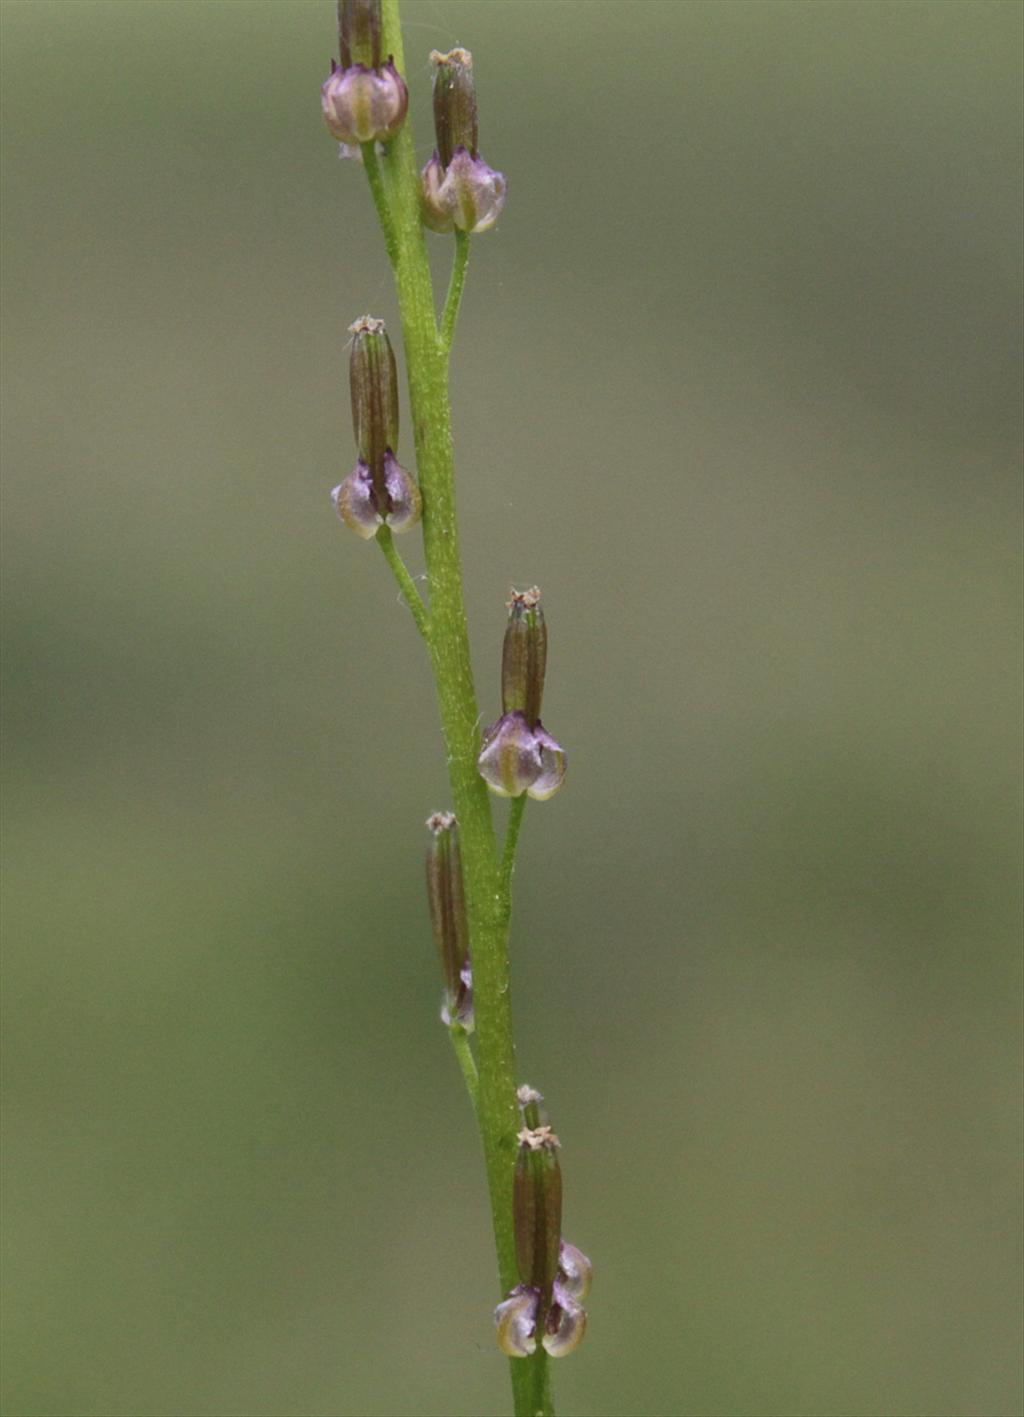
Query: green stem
x,y
380,200
539,1379
464,1054
426,358
456,285
386,542
508,856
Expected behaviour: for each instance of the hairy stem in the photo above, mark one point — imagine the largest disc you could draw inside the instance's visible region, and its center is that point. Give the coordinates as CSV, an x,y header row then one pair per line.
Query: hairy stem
x,y
395,183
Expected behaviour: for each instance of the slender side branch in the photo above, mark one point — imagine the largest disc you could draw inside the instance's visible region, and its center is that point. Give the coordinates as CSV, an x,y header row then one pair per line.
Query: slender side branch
x,y
517,807
380,200
464,1054
407,585
455,288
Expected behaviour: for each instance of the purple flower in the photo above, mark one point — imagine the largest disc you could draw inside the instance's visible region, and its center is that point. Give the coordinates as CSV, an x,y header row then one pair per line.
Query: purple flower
x,y
362,104
467,194
365,503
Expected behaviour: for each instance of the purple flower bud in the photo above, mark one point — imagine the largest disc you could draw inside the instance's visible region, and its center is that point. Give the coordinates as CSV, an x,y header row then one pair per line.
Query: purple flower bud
x,y
361,104
435,214
552,766
516,1321
379,491
555,1276
454,103
448,917
364,506
404,506
359,25
515,759
509,762
565,1325
518,754
537,1209
462,1012
575,1272
524,656
354,502
466,193
373,382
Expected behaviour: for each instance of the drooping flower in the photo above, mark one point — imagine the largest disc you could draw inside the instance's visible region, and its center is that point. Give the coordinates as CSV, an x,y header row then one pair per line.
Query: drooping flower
x,y
448,917
554,1276
458,189
518,754
379,492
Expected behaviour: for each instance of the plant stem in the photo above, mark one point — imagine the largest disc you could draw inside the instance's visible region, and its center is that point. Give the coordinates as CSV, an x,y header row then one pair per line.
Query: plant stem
x,y
380,200
455,288
386,542
508,855
464,1054
426,357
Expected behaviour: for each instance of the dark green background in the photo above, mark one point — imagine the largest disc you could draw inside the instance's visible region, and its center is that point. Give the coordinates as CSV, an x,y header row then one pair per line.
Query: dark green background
x,y
737,384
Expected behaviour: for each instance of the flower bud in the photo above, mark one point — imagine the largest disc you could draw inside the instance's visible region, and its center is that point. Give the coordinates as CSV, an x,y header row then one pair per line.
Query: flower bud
x,y
575,1272
516,1321
366,502
359,26
379,491
515,759
537,1209
555,1276
518,754
465,193
373,381
361,104
565,1324
448,917
524,656
454,103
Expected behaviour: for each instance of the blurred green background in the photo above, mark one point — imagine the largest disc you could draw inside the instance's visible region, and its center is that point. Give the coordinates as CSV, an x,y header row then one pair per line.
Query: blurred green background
x,y
737,383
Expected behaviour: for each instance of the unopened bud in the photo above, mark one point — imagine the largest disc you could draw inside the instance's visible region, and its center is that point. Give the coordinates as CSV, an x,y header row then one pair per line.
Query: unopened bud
x,y
575,1271
515,759
565,1325
448,917
516,1321
361,104
537,1208
518,754
359,26
368,500
524,656
380,491
555,1276
465,193
454,103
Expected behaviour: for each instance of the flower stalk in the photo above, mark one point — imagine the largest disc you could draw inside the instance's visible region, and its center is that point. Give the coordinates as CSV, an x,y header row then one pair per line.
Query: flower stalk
x,y
469,878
